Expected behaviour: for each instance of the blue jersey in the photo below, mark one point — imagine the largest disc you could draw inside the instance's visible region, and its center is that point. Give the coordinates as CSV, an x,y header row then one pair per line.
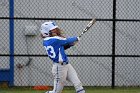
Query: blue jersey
x,y
55,47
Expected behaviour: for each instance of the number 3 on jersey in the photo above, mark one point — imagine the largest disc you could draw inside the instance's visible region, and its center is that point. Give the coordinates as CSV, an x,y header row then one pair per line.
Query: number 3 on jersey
x,y
50,51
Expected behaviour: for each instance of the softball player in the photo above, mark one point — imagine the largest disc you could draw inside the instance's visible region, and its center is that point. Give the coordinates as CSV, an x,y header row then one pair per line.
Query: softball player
x,y
55,45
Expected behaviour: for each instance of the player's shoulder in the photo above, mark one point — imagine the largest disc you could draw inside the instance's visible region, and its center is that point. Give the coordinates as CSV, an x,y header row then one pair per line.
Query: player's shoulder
x,y
54,38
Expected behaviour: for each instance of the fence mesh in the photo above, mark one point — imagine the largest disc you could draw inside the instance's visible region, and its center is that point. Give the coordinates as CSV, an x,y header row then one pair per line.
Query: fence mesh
x,y
92,57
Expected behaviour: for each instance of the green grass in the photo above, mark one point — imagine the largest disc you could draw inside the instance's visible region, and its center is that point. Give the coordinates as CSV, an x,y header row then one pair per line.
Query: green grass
x,y
71,90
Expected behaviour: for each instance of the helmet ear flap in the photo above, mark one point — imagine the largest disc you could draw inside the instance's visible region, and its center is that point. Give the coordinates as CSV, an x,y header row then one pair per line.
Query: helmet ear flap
x,y
43,35
46,34
50,33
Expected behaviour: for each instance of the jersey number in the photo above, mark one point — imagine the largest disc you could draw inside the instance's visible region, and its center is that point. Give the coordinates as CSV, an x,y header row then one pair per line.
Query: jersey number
x,y
50,51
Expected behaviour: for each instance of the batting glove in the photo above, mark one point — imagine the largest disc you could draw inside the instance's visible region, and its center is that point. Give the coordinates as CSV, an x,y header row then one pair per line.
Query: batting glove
x,y
78,38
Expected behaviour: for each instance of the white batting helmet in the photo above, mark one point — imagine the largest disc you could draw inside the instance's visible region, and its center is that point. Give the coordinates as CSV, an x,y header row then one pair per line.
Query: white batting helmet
x,y
46,27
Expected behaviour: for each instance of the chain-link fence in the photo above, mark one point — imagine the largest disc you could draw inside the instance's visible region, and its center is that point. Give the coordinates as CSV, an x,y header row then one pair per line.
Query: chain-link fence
x,y
107,55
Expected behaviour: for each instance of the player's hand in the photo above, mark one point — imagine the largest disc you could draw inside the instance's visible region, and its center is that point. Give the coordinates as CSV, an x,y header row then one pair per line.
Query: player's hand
x,y
78,38
74,43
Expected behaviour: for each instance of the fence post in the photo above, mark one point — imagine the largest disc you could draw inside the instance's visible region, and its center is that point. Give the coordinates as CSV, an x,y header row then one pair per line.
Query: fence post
x,y
113,44
11,40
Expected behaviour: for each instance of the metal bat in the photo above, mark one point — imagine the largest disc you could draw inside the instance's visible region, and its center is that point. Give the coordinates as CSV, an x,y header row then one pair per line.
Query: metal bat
x,y
88,26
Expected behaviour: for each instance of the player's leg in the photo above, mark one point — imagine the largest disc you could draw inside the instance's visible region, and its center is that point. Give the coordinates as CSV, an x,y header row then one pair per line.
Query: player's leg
x,y
72,77
60,73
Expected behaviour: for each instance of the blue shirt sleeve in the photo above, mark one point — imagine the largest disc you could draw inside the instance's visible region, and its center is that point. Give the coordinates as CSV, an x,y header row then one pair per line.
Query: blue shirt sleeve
x,y
68,40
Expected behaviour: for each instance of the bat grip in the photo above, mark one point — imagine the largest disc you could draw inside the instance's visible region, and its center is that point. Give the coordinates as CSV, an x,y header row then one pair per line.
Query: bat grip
x,y
80,34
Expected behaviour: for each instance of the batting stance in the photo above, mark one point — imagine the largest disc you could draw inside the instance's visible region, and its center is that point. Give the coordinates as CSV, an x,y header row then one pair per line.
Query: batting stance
x,y
55,45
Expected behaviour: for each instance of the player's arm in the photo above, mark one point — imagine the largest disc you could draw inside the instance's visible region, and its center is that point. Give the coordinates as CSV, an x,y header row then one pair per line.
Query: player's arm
x,y
69,45
68,41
